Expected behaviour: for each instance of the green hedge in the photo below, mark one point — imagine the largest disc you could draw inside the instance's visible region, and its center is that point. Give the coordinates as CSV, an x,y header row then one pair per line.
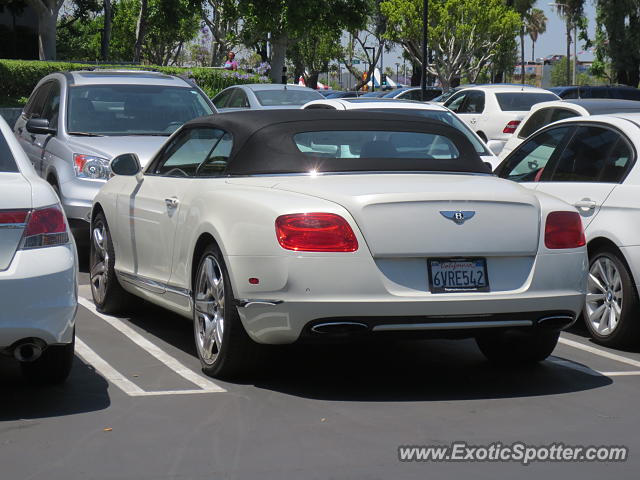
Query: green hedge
x,y
19,77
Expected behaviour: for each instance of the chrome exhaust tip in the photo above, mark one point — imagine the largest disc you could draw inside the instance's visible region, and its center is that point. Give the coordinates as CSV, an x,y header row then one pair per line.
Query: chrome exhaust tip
x,y
339,327
29,350
556,322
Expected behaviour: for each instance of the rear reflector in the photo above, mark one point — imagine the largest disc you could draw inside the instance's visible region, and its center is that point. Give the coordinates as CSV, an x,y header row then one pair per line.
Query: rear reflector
x,y
13,218
315,232
564,230
46,227
511,126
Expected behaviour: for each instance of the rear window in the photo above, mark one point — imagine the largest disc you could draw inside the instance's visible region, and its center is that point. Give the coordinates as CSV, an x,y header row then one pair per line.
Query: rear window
x,y
272,98
521,101
7,162
376,144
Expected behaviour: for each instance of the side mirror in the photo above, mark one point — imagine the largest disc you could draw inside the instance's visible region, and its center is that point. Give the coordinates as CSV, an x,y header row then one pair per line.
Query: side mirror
x,y
40,126
126,164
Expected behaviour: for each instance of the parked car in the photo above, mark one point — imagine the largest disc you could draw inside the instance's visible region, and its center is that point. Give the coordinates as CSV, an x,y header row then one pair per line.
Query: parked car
x,y
38,269
326,93
405,107
75,122
348,94
544,113
450,93
374,94
591,163
495,111
414,93
597,91
264,96
288,226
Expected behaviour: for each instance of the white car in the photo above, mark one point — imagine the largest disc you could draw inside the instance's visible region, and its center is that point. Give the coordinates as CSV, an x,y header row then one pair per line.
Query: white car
x,y
263,96
38,269
542,114
407,107
591,163
287,226
495,111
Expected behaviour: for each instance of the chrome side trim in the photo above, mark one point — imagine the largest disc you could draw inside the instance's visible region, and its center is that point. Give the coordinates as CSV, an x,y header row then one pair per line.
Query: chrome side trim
x,y
152,285
557,317
247,302
12,226
452,325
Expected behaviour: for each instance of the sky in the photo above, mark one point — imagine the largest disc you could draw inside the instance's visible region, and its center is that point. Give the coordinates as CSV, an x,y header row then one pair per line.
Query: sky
x,y
553,41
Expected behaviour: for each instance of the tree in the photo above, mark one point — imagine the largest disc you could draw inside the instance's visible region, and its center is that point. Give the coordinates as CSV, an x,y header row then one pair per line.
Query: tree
x,y
141,27
311,55
466,35
47,13
571,11
522,8
289,21
223,21
536,25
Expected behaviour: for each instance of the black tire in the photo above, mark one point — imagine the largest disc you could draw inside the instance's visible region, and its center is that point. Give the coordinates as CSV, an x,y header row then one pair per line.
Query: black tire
x,y
236,354
108,295
518,346
53,366
627,331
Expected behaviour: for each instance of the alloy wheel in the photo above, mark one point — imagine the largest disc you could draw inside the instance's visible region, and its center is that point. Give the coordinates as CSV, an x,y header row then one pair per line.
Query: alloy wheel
x,y
209,309
604,296
99,262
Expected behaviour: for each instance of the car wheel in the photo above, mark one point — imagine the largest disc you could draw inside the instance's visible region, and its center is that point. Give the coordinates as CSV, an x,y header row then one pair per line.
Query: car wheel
x,y
518,347
108,294
53,366
224,347
611,306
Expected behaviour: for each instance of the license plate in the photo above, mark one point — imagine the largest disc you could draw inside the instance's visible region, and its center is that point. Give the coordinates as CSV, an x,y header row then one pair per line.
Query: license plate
x,y
458,275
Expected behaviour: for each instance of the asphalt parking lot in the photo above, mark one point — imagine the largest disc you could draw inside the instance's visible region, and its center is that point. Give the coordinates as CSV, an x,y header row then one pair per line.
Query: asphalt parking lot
x,y
137,407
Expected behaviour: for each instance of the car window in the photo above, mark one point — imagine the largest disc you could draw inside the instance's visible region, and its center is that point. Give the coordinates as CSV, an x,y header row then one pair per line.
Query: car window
x,y
187,151
51,107
293,97
528,161
7,162
36,102
238,99
521,101
535,122
455,103
220,100
217,159
592,152
474,103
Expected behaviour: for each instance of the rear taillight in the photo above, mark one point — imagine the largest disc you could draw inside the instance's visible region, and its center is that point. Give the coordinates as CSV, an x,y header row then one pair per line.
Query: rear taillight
x,y
511,126
13,218
564,230
315,232
46,227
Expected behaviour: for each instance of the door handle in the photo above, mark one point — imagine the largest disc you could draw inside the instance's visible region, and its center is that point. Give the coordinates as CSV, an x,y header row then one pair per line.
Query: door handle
x,y
171,202
585,204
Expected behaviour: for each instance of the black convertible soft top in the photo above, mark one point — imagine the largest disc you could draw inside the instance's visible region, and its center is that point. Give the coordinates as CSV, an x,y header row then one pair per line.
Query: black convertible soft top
x,y
263,141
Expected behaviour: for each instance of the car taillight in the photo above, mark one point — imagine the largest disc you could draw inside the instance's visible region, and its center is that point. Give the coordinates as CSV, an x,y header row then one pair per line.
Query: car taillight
x,y
564,230
315,232
13,218
46,227
511,126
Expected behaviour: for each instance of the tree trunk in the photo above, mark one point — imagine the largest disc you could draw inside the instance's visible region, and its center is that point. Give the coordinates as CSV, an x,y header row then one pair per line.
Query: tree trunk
x,y
106,32
47,36
568,53
533,47
278,53
141,28
522,71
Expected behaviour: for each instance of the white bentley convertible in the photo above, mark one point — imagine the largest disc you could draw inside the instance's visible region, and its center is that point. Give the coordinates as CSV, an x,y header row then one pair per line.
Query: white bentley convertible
x,y
288,226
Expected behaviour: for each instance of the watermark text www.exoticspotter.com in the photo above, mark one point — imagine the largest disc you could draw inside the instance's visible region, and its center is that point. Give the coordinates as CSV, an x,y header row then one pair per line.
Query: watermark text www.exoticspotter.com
x,y
515,452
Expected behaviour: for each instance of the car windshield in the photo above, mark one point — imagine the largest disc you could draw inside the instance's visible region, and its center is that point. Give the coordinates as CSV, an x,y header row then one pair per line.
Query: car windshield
x,y
293,97
522,101
7,162
444,116
120,110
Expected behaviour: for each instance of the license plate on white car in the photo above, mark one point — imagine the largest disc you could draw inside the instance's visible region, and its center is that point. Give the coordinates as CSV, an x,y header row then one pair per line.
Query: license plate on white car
x,y
448,275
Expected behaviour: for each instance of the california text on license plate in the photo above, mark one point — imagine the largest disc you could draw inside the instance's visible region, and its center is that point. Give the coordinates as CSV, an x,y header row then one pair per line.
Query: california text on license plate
x,y
458,275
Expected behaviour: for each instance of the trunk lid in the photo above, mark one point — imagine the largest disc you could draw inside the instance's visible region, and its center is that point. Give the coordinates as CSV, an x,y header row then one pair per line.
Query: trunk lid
x,y
16,195
414,215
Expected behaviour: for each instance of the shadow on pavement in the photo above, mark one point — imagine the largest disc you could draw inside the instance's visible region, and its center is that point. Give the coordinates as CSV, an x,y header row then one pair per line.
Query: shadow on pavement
x,y
84,391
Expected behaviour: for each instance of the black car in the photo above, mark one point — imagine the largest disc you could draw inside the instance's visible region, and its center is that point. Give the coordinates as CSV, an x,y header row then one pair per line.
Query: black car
x,y
601,91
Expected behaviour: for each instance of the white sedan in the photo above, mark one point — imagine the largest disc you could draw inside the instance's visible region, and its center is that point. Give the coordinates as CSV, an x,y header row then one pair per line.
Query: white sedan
x,y
276,227
408,107
591,163
38,268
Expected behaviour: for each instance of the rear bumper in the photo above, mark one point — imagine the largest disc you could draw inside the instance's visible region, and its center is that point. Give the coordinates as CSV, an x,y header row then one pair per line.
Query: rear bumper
x,y
329,288
38,295
77,198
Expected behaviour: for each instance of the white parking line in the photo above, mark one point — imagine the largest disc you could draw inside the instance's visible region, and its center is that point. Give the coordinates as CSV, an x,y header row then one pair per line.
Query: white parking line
x,y
599,352
206,386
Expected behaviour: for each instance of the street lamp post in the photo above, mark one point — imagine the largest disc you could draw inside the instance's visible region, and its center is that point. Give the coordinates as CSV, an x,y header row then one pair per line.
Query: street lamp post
x,y
397,73
425,32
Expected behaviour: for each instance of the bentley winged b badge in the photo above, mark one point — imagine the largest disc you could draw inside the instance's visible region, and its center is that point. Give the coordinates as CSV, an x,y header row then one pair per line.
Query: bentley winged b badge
x,y
458,216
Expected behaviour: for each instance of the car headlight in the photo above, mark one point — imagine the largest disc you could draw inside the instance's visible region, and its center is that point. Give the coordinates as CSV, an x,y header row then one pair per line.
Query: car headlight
x,y
90,166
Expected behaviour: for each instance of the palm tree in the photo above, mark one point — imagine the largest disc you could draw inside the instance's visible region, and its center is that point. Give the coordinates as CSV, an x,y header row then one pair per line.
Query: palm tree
x,y
536,26
522,7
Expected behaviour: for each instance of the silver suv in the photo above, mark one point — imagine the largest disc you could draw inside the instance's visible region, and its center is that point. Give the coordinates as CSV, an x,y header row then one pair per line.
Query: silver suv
x,y
76,122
